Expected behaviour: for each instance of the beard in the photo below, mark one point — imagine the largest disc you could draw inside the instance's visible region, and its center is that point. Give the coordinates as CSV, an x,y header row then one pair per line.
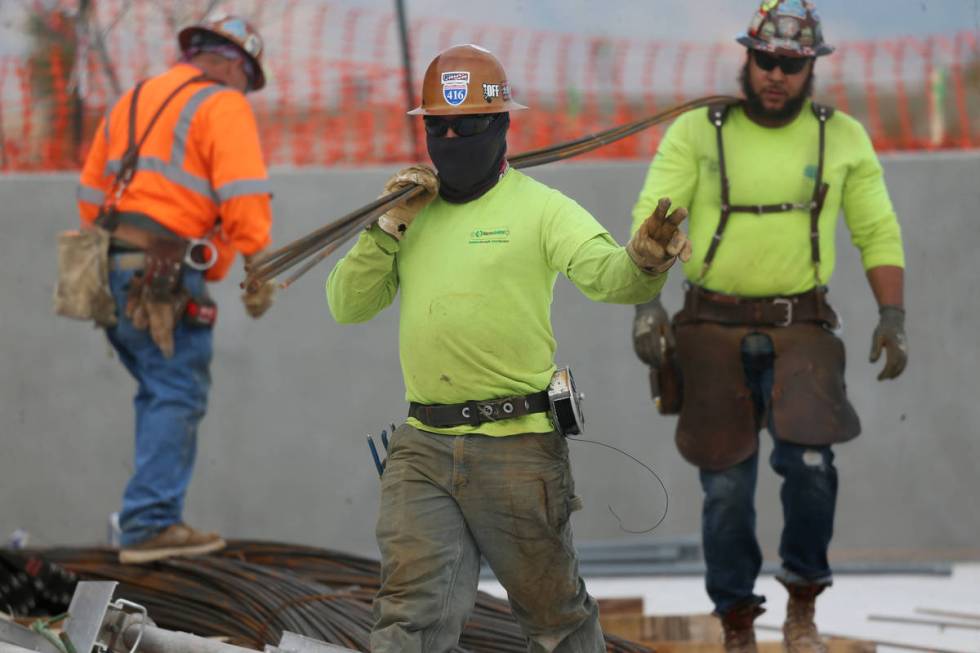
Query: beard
x,y
789,110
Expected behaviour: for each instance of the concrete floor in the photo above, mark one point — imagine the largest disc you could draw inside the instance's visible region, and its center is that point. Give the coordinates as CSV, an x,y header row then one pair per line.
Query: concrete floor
x,y
843,609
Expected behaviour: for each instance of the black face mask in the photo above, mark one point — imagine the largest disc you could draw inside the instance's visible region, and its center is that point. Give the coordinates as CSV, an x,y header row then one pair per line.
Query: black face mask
x,y
469,166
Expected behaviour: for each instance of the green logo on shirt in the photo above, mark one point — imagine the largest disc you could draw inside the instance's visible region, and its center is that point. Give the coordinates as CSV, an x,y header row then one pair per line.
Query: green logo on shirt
x,y
490,236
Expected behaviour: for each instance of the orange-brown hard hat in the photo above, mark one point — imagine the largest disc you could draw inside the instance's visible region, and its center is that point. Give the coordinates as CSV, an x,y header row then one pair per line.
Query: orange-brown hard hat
x,y
465,79
237,31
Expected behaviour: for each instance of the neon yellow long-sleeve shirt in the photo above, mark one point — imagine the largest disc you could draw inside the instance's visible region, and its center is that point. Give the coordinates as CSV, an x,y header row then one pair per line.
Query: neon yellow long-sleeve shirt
x,y
476,283
769,255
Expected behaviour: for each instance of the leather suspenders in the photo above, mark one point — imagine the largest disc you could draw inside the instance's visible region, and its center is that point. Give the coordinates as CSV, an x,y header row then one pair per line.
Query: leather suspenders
x,y
129,162
717,114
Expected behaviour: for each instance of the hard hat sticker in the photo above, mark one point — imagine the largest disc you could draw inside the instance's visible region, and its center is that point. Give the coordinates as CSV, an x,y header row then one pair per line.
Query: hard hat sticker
x,y
455,87
459,77
453,94
793,8
491,92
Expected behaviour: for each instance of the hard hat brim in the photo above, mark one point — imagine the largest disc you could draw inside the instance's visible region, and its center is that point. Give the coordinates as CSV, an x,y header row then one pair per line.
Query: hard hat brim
x,y
184,39
799,52
510,105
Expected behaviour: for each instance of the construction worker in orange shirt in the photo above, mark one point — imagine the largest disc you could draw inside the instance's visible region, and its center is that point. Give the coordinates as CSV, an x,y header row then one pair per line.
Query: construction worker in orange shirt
x,y
176,176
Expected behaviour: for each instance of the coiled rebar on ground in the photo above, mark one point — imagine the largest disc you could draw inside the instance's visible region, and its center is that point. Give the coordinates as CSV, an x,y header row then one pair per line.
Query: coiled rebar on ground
x,y
252,591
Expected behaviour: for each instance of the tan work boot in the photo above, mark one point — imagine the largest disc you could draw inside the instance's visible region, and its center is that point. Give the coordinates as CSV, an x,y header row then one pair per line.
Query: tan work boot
x,y
738,628
799,631
174,540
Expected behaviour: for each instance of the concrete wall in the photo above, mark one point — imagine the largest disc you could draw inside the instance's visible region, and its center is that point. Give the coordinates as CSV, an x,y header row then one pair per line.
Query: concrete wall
x,y
282,452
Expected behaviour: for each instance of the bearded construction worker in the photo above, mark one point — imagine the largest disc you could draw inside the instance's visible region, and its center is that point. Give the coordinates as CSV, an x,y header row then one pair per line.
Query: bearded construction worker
x,y
479,469
176,175
755,345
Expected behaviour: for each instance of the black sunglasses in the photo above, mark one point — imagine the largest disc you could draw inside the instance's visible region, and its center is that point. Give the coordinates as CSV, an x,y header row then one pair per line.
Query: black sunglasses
x,y
789,65
468,125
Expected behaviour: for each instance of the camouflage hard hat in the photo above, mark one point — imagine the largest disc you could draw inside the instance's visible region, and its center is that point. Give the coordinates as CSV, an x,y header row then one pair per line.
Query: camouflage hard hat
x,y
236,31
790,28
465,79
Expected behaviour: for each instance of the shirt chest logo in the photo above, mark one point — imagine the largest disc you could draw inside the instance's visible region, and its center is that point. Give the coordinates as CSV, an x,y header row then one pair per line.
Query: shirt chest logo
x,y
492,236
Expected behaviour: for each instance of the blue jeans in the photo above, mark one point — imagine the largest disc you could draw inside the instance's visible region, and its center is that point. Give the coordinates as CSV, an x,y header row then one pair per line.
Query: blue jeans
x,y
171,399
809,497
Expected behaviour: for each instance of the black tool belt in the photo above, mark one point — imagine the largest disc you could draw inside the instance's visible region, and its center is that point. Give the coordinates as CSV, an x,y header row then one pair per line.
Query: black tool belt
x,y
475,413
701,305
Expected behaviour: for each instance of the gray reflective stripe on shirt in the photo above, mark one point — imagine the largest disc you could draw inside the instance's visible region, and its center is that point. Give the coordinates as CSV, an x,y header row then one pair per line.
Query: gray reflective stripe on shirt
x,y
171,172
88,194
183,127
244,187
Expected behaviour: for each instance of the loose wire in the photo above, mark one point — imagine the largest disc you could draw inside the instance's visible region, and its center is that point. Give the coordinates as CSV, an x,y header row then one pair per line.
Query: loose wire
x,y
644,466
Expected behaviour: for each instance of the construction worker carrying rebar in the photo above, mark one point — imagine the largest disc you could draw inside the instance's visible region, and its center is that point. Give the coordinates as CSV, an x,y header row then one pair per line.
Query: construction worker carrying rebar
x,y
754,345
478,469
176,176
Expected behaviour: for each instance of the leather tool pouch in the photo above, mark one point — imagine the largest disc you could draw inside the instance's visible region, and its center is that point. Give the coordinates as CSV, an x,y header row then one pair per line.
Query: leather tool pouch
x,y
809,397
164,260
666,381
718,426
82,290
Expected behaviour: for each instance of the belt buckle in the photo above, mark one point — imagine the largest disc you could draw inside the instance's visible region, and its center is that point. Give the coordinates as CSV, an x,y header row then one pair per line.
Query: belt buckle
x,y
782,301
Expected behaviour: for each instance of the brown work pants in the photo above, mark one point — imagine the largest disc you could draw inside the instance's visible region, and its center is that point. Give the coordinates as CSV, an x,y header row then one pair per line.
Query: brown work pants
x,y
447,500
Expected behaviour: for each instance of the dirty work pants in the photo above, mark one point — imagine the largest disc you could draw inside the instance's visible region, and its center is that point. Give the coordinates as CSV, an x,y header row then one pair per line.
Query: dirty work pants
x,y
445,500
170,401
809,496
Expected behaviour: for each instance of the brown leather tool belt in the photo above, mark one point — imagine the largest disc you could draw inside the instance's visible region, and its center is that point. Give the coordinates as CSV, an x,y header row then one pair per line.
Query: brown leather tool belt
x,y
475,413
702,305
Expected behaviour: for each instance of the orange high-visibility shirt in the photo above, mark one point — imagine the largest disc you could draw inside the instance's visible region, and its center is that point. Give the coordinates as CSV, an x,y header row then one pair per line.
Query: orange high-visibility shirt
x,y
200,173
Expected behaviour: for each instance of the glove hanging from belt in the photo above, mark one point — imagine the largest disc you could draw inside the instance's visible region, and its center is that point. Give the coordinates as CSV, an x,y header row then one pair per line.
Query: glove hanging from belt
x,y
155,299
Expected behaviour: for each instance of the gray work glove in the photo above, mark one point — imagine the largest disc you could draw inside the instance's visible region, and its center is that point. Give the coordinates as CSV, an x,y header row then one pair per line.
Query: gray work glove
x,y
258,302
890,336
397,219
652,334
658,242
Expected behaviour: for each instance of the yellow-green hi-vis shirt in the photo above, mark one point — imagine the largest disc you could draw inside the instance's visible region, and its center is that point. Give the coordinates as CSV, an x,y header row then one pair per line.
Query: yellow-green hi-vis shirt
x,y
477,283
769,255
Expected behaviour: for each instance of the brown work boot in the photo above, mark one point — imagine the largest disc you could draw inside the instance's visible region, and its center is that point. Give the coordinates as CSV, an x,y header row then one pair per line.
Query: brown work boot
x,y
175,540
799,631
738,628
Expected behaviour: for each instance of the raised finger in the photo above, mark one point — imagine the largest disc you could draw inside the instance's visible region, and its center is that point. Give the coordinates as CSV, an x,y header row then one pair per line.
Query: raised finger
x,y
678,216
663,206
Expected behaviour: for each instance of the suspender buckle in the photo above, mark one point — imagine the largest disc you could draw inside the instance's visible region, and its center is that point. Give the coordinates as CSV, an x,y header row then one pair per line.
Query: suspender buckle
x,y
789,311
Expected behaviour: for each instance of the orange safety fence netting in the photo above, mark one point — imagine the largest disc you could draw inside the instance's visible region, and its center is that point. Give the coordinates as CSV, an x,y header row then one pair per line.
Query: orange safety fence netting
x,y
335,92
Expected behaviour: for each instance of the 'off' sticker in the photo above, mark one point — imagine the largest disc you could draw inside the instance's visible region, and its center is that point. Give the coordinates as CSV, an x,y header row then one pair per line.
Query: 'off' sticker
x,y
455,87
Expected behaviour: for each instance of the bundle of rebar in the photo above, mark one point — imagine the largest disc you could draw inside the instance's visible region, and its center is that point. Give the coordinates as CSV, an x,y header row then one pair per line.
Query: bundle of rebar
x,y
252,591
313,248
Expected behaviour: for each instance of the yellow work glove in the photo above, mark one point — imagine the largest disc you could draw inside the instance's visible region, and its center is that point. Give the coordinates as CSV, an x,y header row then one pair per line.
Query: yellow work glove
x,y
397,219
258,302
658,242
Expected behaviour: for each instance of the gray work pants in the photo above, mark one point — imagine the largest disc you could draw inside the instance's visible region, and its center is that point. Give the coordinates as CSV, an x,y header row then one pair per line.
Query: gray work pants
x,y
445,500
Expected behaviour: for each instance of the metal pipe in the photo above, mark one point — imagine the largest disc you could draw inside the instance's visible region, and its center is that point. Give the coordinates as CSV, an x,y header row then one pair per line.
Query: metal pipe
x,y
948,613
912,621
158,640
